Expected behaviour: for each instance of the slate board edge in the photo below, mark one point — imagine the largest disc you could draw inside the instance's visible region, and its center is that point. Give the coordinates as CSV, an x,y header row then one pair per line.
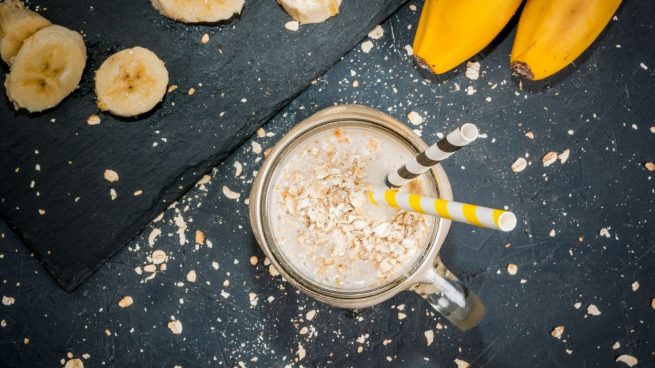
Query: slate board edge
x,y
170,194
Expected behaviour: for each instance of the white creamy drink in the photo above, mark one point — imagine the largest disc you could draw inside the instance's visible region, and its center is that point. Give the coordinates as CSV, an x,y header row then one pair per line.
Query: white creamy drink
x,y
322,222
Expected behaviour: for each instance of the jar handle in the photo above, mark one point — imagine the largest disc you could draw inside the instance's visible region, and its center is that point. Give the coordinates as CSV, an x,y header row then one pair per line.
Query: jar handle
x,y
450,297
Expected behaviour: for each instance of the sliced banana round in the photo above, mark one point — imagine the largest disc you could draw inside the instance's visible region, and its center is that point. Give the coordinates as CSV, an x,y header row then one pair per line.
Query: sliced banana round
x,y
131,82
47,68
17,23
198,11
311,11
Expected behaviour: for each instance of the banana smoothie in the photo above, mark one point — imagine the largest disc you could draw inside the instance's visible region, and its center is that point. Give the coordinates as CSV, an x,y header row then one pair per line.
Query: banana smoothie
x,y
325,227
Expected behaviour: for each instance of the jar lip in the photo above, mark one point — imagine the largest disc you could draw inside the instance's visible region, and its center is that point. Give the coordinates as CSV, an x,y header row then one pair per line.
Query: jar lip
x,y
344,115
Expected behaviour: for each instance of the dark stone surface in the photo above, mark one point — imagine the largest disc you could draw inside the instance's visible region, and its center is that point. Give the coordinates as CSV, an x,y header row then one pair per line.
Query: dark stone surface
x,y
249,70
603,185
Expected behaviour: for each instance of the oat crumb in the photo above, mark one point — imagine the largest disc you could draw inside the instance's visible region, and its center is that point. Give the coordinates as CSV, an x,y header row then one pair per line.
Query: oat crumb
x,y
557,331
191,276
519,165
593,310
293,25
367,46
415,118
93,119
111,176
461,363
125,302
204,39
429,337
549,158
635,286
175,327
254,260
512,269
629,360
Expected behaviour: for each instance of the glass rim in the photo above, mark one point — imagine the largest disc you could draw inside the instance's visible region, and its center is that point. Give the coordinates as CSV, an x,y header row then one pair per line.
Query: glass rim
x,y
287,268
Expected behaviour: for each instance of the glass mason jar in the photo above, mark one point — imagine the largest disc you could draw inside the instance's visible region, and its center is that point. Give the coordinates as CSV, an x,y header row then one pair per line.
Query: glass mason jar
x,y
426,276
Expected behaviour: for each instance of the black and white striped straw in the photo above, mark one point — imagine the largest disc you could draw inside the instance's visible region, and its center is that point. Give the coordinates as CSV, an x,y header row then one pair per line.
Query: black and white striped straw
x,y
436,153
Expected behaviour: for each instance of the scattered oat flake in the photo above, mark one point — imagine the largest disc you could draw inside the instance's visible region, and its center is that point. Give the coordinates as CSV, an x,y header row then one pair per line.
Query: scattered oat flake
x,y
429,336
215,265
41,211
635,286
519,165
230,194
175,327
650,166
256,147
172,88
652,303
111,176
549,158
125,301
191,91
462,363
293,25
616,345
593,310
472,70
74,363
253,298
200,237
150,268
191,276
529,135
470,90
303,330
643,66
552,233
153,236
310,315
225,294
412,7
113,194
273,271
301,352
254,260
7,300
181,228
415,118
402,316
238,168
557,331
137,193
512,269
93,119
629,360
107,332
564,156
158,257
577,305
204,39
204,180
367,46
376,33
605,232
409,50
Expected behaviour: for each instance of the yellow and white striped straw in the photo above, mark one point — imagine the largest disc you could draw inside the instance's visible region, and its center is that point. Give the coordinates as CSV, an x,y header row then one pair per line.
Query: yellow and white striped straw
x,y
460,212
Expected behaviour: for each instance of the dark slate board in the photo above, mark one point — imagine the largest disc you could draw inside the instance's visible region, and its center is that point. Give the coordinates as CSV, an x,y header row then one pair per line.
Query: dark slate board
x,y
253,58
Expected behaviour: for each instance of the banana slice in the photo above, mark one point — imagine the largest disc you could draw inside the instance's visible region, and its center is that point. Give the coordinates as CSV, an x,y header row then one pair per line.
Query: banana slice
x,y
131,82
198,11
47,68
311,11
17,23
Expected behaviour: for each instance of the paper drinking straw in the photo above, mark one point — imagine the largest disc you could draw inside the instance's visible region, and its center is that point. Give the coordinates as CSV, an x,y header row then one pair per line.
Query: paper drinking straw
x,y
436,153
460,212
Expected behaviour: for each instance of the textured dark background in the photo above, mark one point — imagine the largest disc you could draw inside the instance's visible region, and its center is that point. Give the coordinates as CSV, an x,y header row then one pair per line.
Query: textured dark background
x,y
248,71
603,111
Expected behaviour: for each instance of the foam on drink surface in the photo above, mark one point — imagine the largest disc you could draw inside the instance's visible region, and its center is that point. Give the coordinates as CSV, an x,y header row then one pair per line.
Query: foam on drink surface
x,y
322,222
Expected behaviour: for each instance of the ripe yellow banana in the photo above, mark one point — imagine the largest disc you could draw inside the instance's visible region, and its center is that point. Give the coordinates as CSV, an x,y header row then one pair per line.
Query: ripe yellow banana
x,y
17,23
451,31
47,68
553,33
311,11
198,11
131,82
